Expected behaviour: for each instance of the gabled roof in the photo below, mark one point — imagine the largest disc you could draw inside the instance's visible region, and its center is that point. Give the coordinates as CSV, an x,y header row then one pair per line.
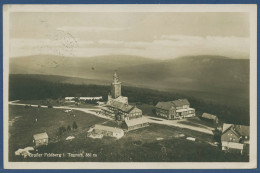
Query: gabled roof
x,y
40,136
135,109
121,106
226,127
107,128
134,122
170,104
235,132
180,102
209,116
164,105
240,130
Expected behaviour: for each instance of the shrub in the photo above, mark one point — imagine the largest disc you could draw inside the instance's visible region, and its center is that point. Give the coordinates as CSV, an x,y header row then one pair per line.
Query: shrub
x,y
61,130
74,125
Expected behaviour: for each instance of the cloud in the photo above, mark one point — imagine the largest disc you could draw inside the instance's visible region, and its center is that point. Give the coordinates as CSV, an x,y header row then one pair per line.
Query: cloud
x,y
165,47
110,42
90,29
180,45
62,47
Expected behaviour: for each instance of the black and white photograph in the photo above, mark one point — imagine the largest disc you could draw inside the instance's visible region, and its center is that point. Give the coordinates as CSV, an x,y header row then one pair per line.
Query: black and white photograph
x,y
129,86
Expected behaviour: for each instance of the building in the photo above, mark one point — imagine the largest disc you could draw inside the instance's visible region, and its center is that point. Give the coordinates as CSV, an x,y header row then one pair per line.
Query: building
x,y
121,111
40,139
90,98
115,87
235,137
210,117
70,99
115,94
117,107
108,131
176,109
135,124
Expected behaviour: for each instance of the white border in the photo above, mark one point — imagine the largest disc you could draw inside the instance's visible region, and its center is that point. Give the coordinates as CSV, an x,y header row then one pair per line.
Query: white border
x,y
249,8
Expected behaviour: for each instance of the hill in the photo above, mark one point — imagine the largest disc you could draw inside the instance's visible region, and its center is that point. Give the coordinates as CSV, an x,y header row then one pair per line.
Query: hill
x,y
213,78
37,87
99,67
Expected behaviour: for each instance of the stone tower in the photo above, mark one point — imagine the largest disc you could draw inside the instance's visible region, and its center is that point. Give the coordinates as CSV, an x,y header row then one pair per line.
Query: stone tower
x,y
115,87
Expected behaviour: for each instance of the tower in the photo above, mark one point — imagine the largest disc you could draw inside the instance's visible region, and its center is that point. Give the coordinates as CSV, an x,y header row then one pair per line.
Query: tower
x,y
115,87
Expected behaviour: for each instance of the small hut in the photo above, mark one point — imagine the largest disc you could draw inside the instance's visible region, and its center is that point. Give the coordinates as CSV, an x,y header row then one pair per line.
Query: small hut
x,y
40,139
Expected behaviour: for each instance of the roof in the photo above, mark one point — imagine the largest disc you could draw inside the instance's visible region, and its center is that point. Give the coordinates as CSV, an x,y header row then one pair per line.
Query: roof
x,y
226,127
107,128
69,98
121,99
121,106
209,116
134,122
40,136
241,130
170,104
164,105
135,110
181,102
89,98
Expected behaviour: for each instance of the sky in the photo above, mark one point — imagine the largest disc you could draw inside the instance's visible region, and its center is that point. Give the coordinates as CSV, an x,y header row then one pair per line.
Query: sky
x,y
153,35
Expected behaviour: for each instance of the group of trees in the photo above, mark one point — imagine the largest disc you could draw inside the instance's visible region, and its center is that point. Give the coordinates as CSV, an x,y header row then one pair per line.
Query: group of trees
x,y
22,88
64,129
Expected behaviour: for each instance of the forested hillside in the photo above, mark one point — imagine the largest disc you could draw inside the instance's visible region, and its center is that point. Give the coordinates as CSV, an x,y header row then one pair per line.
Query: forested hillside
x,y
23,87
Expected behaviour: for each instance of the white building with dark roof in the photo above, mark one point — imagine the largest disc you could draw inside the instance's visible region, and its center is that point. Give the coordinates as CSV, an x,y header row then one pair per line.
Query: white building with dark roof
x,y
235,137
117,107
176,109
121,111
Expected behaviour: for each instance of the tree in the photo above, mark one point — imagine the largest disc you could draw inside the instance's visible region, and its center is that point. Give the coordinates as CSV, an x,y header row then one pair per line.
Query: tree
x,y
74,125
154,111
68,128
61,130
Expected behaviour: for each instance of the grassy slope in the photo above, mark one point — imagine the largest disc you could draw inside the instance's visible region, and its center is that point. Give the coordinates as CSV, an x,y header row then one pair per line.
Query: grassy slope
x,y
48,120
171,148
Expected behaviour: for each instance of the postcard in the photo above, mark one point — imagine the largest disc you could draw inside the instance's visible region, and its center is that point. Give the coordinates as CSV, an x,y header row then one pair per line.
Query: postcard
x,y
130,86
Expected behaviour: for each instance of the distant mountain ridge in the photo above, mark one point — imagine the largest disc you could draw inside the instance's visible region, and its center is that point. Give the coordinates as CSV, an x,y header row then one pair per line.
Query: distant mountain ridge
x,y
197,73
73,66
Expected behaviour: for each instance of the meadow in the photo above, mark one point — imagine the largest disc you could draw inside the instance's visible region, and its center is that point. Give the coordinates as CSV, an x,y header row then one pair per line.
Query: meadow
x,y
156,143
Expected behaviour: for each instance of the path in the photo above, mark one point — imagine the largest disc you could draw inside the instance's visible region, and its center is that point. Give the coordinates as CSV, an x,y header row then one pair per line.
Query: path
x,y
86,110
176,123
149,119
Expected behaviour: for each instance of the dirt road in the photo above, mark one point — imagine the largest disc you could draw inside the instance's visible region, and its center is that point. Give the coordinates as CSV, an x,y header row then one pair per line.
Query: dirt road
x,y
149,119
